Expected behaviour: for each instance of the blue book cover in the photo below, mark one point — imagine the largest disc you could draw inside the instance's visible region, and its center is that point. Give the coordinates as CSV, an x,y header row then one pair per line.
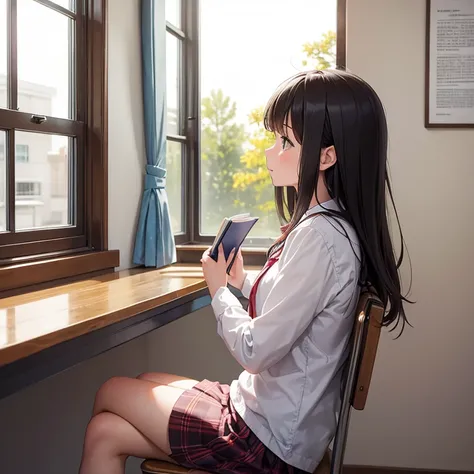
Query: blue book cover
x,y
231,234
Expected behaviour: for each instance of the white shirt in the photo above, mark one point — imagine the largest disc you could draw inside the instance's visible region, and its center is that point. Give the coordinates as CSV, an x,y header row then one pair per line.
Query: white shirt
x,y
293,351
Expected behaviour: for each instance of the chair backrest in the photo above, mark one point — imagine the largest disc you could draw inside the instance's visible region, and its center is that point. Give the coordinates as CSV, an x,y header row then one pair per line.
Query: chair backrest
x,y
365,339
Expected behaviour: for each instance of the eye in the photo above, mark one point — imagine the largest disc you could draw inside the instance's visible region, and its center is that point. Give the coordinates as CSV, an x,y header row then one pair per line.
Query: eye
x,y
285,143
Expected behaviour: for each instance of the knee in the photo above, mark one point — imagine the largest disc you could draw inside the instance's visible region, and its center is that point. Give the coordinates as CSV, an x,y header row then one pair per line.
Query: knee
x,y
144,376
100,432
107,390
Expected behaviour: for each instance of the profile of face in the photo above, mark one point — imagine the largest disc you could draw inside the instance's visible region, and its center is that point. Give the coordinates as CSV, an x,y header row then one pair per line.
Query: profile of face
x,y
283,158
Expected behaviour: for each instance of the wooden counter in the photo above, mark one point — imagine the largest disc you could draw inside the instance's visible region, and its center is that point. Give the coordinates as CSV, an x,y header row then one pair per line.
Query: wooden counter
x,y
44,332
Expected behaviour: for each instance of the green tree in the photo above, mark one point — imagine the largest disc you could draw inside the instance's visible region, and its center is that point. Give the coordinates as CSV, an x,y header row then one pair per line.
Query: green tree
x,y
221,148
321,54
254,181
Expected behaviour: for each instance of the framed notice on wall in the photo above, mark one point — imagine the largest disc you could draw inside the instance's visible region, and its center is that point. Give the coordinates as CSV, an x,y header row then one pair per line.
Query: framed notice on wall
x,y
449,100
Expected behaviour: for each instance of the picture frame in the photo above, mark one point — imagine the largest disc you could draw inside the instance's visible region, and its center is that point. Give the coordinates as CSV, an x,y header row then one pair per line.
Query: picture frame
x,y
449,65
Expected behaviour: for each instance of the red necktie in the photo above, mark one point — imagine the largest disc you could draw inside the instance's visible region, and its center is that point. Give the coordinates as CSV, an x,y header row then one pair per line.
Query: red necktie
x,y
253,292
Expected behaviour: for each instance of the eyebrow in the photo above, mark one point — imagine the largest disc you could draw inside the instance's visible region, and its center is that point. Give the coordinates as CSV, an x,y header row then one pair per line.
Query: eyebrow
x,y
287,126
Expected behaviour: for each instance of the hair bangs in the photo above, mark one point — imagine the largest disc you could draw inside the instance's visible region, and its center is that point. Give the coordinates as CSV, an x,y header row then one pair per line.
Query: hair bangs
x,y
284,101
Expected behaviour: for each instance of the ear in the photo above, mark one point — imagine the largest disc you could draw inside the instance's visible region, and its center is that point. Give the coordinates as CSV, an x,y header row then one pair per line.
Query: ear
x,y
328,158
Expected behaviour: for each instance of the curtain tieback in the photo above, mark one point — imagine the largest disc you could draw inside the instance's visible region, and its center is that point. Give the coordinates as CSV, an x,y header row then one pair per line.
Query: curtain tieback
x,y
155,177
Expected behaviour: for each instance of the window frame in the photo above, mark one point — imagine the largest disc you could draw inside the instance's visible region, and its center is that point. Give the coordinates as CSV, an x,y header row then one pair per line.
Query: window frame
x,y
89,236
182,137
191,241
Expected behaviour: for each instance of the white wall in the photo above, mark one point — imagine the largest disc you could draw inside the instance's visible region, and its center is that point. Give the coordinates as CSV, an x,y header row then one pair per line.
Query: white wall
x,y
126,141
420,411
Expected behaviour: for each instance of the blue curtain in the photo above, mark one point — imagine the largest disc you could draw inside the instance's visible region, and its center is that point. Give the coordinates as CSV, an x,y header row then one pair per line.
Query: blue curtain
x,y
154,243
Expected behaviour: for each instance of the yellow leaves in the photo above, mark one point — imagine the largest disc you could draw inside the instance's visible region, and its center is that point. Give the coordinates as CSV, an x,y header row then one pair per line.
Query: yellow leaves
x,y
255,179
267,207
260,140
324,46
254,158
321,54
256,116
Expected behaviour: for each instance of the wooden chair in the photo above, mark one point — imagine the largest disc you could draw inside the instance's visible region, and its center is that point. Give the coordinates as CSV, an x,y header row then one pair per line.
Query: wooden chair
x,y
152,466
365,340
359,368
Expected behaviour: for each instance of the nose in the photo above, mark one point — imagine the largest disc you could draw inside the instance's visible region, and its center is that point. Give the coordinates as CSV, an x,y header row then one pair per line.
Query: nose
x,y
267,155
269,151
270,155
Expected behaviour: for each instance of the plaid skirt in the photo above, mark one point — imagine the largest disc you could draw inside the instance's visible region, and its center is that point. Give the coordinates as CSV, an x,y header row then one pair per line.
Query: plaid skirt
x,y
205,432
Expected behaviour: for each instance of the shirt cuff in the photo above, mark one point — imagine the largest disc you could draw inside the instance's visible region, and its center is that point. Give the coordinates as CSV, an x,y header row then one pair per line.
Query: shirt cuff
x,y
223,299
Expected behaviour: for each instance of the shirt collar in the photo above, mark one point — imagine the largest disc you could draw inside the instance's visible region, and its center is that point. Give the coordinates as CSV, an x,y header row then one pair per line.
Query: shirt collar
x,y
331,205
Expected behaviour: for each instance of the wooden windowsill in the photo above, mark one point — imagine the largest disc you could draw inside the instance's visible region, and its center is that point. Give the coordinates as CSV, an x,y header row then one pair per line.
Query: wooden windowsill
x,y
34,321
46,331
26,276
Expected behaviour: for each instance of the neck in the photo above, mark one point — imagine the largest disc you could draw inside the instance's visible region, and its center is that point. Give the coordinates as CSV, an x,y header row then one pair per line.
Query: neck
x,y
322,192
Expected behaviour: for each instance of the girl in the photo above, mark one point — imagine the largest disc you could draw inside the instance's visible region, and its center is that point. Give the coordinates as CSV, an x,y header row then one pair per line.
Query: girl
x,y
328,166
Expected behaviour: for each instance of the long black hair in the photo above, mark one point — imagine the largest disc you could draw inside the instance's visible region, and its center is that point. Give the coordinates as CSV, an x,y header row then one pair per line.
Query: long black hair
x,y
337,108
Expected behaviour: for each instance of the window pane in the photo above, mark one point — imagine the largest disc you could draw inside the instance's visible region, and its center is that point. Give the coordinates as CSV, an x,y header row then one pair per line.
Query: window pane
x,y
3,53
22,153
44,40
173,12
172,83
238,76
3,182
42,183
174,184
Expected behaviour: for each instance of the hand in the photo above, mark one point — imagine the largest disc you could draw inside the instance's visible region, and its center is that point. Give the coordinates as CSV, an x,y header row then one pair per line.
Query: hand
x,y
237,273
215,273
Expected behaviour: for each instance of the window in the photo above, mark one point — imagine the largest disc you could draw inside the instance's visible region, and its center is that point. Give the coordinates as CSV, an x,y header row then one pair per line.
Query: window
x,y
53,180
28,189
228,70
57,217
21,153
176,139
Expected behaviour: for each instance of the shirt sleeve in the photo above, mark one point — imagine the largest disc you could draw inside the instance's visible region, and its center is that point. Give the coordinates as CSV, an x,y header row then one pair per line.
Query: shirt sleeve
x,y
250,278
302,289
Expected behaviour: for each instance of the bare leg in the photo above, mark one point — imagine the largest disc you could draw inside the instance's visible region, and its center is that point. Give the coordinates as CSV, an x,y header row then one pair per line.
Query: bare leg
x,y
109,441
131,418
171,380
144,407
